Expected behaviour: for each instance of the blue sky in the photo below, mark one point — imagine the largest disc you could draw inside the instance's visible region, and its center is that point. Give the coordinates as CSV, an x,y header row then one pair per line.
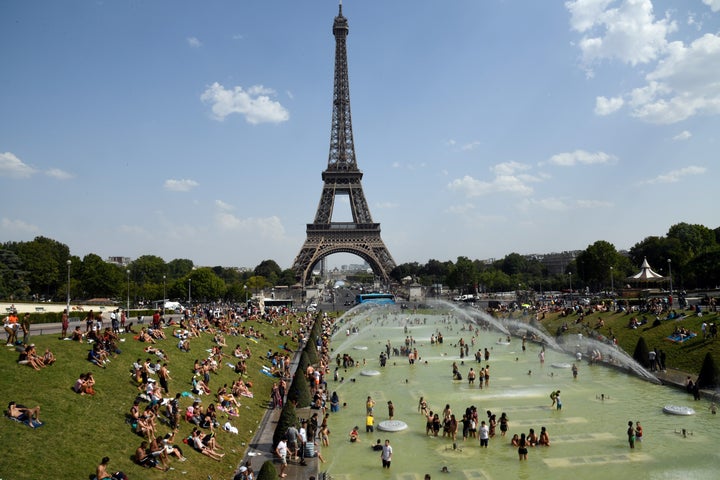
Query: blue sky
x,y
200,129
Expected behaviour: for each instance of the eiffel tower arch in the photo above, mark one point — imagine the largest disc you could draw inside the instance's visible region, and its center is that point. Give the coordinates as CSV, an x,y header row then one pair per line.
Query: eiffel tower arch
x,y
360,237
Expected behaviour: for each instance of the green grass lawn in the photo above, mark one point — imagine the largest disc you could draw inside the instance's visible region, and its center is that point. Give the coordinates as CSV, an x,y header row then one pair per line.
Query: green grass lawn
x,y
687,356
79,430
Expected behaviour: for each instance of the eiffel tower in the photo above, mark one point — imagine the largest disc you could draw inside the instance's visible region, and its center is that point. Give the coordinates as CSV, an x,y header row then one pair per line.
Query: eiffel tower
x,y
360,237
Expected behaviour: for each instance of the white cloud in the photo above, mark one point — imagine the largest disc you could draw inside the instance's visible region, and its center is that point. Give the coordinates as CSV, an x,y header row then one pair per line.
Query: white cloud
x,y
569,159
254,103
675,176
194,42
472,187
684,135
183,185
18,226
11,166
682,79
713,4
622,29
509,168
269,227
59,174
684,83
606,106
223,206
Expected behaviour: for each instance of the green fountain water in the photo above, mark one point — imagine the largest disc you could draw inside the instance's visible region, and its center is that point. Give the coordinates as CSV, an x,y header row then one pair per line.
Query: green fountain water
x,y
588,436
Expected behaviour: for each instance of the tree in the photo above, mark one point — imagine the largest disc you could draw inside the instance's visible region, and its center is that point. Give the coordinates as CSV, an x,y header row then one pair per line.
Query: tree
x,y
151,267
287,277
256,283
405,270
641,354
703,271
708,376
695,239
595,262
513,264
206,286
13,282
268,269
463,275
99,279
434,271
42,259
178,268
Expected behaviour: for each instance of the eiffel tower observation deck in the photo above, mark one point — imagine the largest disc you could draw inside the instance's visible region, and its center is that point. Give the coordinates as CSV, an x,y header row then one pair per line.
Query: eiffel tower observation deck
x,y
360,237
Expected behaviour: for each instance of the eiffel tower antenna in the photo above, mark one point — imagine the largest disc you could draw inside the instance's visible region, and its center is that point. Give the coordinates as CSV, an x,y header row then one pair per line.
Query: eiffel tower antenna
x,y
360,237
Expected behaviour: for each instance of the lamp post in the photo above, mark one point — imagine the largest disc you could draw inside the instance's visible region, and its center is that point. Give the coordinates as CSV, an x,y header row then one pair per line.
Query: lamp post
x,y
164,292
189,291
670,275
68,289
128,294
571,292
246,294
612,281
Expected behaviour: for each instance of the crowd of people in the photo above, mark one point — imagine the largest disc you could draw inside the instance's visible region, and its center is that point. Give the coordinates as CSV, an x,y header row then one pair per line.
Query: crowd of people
x,y
154,417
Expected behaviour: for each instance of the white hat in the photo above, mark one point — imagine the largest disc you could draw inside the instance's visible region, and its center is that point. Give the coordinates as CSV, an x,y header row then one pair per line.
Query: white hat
x,y
243,469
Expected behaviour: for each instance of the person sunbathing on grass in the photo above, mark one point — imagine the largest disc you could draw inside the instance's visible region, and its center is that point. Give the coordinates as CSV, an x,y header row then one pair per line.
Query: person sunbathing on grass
x,y
205,447
199,387
48,357
77,334
146,424
143,336
29,357
241,388
95,357
84,384
23,413
143,458
157,451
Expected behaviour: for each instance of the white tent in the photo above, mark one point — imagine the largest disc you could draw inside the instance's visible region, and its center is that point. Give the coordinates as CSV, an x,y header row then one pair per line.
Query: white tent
x,y
646,274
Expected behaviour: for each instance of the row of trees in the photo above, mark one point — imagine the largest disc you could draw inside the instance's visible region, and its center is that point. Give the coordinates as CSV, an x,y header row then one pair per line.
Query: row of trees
x,y
40,270
691,253
44,269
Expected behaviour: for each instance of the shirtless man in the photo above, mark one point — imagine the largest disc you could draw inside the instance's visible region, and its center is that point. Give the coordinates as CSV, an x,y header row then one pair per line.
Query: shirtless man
x,y
17,411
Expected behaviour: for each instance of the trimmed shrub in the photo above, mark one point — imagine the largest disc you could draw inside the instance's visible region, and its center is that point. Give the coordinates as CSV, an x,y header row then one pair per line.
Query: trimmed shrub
x,y
299,392
267,471
641,354
288,417
708,376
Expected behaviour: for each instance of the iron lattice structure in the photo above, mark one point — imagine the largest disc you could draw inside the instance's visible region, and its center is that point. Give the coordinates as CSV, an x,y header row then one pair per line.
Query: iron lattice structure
x,y
360,237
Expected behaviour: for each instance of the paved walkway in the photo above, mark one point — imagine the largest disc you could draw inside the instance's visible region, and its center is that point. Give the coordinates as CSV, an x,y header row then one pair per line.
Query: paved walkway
x,y
260,449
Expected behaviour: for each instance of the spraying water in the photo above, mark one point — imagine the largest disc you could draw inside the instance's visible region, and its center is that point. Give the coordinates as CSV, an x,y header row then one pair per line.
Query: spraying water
x,y
613,355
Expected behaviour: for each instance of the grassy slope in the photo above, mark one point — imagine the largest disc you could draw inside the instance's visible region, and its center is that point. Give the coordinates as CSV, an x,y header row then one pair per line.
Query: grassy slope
x,y
80,430
687,356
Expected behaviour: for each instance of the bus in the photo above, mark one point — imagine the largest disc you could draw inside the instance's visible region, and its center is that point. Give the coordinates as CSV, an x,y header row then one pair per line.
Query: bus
x,y
378,298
